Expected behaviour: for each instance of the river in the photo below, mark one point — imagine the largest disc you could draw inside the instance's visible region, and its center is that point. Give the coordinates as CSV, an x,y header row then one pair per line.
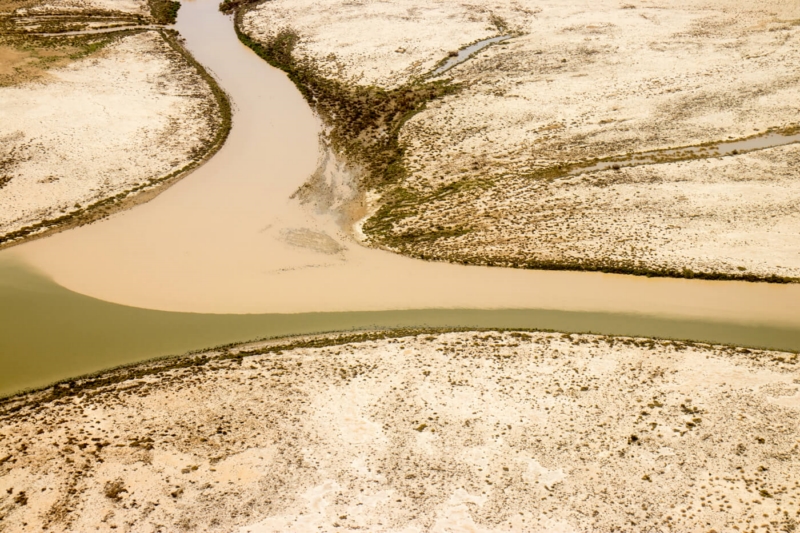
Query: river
x,y
229,253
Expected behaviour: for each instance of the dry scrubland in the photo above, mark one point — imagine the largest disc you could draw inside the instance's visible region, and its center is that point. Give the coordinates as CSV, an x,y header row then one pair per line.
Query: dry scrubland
x,y
577,83
82,7
90,123
732,215
477,431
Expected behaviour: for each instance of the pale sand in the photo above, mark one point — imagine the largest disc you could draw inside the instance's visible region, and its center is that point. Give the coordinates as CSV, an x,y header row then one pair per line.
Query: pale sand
x,y
125,117
375,42
134,7
443,432
732,215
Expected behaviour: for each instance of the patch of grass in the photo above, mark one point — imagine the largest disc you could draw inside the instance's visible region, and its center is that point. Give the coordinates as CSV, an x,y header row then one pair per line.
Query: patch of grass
x,y
164,11
92,46
66,22
498,22
229,6
41,53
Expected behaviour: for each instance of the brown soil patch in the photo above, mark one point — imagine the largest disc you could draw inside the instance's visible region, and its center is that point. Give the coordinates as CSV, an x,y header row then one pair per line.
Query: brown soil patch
x,y
22,63
12,61
8,6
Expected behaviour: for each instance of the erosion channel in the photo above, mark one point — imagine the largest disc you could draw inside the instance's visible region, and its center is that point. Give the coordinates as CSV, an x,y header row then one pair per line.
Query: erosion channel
x,y
230,242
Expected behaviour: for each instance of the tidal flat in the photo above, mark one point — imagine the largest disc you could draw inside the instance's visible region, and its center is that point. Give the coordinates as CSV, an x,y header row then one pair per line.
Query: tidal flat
x,y
484,173
414,431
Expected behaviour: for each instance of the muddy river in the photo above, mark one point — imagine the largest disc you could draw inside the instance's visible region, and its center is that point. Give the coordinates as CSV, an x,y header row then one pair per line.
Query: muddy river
x,y
227,255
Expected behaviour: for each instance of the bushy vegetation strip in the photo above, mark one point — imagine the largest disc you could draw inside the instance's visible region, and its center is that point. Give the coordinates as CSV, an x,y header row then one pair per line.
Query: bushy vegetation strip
x,y
164,11
365,120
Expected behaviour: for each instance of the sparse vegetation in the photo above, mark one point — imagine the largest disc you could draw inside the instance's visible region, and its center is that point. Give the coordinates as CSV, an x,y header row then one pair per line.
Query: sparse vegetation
x,y
365,120
164,11
269,415
113,489
78,47
484,193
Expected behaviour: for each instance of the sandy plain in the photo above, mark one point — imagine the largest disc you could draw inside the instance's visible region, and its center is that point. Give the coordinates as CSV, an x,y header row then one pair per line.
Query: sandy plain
x,y
38,7
732,215
416,431
90,123
577,82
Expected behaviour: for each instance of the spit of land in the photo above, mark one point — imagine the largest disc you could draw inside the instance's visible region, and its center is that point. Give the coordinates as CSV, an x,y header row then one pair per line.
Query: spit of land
x,y
90,122
489,170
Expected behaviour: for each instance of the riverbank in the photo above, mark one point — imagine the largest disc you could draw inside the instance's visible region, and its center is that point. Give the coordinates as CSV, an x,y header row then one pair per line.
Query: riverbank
x,y
160,113
574,86
414,431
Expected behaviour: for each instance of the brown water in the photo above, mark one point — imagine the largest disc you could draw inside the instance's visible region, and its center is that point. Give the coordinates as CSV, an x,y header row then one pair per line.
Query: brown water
x,y
48,333
228,239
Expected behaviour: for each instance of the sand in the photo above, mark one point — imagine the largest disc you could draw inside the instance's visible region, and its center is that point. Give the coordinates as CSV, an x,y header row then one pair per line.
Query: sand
x,y
121,119
471,431
375,43
733,216
133,7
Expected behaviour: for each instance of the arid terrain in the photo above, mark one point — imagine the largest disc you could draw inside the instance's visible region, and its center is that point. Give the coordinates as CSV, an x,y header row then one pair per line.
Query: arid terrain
x,y
460,431
93,122
592,137
732,216
469,172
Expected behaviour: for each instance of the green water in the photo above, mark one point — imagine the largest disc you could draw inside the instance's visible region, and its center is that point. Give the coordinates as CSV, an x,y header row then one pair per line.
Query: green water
x,y
48,333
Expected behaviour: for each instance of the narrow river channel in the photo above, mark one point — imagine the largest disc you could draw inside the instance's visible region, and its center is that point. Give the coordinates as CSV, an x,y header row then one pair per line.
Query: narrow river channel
x,y
228,241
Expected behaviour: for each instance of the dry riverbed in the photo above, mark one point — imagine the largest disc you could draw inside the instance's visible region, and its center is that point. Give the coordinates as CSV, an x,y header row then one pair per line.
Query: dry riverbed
x,y
426,431
480,175
92,123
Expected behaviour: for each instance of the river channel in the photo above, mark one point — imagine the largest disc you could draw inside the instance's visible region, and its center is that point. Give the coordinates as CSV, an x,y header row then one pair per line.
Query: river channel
x,y
226,254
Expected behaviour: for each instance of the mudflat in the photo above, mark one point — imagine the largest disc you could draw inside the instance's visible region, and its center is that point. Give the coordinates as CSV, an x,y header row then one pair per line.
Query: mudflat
x,y
414,431
469,172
